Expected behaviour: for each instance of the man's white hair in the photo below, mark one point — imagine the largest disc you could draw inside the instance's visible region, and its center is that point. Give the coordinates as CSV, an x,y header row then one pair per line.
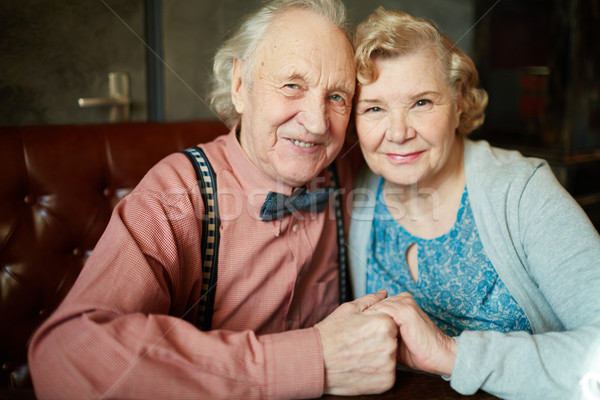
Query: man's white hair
x,y
244,42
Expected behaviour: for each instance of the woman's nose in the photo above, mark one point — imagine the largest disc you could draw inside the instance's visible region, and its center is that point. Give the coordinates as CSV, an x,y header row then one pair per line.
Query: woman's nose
x,y
399,128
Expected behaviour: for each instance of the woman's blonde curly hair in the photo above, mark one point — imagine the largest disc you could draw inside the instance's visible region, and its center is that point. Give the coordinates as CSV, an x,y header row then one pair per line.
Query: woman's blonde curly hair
x,y
387,34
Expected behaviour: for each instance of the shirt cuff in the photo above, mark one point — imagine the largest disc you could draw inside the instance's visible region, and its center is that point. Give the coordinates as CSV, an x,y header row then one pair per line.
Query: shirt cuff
x,y
294,364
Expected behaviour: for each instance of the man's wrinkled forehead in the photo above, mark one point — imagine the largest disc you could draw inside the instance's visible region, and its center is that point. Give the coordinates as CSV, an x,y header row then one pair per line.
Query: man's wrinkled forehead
x,y
294,46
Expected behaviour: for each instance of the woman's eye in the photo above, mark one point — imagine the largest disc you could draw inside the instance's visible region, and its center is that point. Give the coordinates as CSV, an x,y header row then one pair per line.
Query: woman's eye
x,y
337,97
423,102
292,86
373,109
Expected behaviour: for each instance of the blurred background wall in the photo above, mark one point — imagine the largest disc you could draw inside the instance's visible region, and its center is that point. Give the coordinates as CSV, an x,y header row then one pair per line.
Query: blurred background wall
x,y
539,60
54,52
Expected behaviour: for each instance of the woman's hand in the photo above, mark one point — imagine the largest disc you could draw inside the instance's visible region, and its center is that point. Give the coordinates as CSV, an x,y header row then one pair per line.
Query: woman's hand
x,y
422,344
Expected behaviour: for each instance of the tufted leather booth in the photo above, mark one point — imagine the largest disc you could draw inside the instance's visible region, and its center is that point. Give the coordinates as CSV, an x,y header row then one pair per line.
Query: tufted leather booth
x,y
58,187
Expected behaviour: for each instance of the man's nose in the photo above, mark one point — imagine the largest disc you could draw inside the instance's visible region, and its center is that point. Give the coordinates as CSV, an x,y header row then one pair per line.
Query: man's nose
x,y
314,116
399,127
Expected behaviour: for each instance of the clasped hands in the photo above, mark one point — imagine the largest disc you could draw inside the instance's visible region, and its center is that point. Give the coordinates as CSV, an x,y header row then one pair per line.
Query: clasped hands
x,y
362,341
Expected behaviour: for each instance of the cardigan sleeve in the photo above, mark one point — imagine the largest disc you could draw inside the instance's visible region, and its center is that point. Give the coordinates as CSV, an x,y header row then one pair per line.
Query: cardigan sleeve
x,y
558,249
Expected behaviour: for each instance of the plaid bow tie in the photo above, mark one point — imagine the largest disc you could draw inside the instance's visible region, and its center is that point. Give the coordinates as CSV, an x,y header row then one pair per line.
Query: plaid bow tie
x,y
277,205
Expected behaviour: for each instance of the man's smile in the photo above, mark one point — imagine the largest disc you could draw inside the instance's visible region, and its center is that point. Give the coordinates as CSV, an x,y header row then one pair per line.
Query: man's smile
x,y
302,144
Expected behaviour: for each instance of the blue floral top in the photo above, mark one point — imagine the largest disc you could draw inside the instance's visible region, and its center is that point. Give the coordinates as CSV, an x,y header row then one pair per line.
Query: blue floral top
x,y
457,285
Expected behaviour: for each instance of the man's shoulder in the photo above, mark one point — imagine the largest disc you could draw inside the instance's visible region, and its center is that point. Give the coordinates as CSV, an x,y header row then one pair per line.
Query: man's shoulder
x,y
175,173
217,152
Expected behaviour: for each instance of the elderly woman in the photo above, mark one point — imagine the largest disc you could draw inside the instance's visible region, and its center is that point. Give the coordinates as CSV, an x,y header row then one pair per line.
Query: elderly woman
x,y
493,267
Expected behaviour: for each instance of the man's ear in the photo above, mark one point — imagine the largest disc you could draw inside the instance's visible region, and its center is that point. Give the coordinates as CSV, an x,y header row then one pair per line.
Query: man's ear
x,y
237,85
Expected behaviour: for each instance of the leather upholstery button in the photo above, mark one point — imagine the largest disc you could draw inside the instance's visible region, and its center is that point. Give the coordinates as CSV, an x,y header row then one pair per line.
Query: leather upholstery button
x,y
76,252
29,199
6,366
42,312
107,192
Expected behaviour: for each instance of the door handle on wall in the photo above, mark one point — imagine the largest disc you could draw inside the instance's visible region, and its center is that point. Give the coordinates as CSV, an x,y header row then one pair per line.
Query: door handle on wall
x,y
118,98
103,101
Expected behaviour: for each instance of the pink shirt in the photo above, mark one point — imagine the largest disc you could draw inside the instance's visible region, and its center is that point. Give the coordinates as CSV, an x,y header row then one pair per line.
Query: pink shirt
x,y
123,330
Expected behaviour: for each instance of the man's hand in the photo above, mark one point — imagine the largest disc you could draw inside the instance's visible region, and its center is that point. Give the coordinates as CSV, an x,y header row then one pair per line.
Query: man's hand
x,y
359,348
422,344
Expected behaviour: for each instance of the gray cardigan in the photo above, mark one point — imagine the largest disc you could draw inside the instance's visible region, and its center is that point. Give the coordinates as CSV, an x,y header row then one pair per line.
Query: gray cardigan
x,y
546,252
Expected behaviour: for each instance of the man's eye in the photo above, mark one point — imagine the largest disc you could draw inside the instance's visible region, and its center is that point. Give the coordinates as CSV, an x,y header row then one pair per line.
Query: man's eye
x,y
337,97
292,86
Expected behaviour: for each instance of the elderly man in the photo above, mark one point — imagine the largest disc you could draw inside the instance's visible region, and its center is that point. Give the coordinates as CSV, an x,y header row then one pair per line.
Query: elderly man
x,y
285,83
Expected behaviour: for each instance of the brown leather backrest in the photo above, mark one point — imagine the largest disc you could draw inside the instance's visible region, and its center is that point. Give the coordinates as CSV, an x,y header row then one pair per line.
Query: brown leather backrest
x,y
58,187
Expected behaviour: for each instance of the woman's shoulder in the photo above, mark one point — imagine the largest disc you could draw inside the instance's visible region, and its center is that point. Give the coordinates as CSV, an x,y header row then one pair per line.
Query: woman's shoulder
x,y
482,153
485,163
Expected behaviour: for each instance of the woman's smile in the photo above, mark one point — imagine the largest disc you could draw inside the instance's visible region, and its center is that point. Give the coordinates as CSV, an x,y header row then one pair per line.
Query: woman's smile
x,y
405,158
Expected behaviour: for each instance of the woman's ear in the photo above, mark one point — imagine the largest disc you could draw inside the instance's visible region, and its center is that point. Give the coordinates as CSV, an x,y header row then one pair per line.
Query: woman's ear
x,y
459,98
237,85
459,109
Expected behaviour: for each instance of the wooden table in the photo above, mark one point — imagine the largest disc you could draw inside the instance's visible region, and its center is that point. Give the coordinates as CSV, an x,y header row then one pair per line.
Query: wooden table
x,y
410,385
415,385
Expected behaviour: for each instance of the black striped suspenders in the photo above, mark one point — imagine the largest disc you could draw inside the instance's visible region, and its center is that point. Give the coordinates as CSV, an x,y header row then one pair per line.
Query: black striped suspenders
x,y
210,234
339,219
